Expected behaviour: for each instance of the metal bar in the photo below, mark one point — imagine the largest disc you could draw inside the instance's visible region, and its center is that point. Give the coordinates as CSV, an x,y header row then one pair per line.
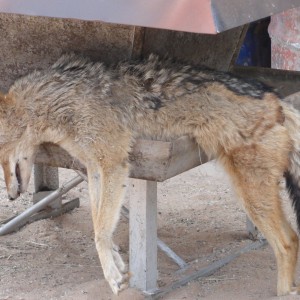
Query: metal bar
x,y
171,254
11,225
46,214
207,271
162,245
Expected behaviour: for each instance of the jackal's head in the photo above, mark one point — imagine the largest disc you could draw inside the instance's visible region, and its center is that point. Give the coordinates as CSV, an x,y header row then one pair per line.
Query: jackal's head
x,y
16,157
17,165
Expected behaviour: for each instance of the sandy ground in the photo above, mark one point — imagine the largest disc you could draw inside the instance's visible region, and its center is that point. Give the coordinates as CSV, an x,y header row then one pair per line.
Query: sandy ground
x,y
199,218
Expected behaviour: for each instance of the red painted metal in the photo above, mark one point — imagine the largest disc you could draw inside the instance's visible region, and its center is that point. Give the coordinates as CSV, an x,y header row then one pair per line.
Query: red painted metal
x,y
284,31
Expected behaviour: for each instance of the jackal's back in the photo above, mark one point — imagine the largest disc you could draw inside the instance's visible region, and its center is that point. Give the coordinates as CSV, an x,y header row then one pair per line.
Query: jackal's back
x,y
157,98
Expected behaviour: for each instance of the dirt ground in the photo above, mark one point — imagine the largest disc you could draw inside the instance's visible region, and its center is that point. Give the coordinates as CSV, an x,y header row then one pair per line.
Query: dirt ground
x,y
199,218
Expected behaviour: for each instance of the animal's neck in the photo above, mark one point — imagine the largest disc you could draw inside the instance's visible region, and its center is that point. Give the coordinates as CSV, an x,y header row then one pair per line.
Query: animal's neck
x,y
13,125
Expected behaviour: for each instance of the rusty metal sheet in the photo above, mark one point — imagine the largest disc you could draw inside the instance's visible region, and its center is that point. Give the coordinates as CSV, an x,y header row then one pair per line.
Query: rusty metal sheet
x,y
284,31
200,16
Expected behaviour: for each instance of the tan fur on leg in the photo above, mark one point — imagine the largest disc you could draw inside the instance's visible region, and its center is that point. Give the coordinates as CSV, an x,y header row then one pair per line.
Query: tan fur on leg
x,y
256,171
106,206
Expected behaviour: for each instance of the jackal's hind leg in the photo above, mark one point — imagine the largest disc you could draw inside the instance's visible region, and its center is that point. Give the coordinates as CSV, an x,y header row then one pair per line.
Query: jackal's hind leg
x,y
257,185
106,205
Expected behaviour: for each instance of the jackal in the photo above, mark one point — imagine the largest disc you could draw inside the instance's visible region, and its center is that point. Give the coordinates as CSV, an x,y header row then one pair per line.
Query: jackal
x,y
96,112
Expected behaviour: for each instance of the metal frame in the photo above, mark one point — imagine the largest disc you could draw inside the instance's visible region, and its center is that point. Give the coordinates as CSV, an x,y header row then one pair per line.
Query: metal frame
x,y
17,221
205,16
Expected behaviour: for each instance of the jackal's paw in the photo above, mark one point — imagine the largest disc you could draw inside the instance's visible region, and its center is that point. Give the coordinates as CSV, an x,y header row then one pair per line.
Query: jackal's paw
x,y
118,284
117,279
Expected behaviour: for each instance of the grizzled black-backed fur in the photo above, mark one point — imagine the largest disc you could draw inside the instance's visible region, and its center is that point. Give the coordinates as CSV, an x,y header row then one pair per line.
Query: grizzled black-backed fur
x,y
243,86
166,70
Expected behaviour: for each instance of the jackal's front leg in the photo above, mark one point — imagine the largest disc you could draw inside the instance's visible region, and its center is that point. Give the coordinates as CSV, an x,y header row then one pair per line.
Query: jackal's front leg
x,y
106,205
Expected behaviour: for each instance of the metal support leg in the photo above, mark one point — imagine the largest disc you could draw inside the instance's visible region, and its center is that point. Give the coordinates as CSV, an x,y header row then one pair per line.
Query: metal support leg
x,y
143,234
48,194
46,179
161,245
18,221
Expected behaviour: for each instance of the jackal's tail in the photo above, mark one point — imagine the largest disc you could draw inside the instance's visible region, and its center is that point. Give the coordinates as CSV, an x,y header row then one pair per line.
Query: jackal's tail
x,y
292,175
